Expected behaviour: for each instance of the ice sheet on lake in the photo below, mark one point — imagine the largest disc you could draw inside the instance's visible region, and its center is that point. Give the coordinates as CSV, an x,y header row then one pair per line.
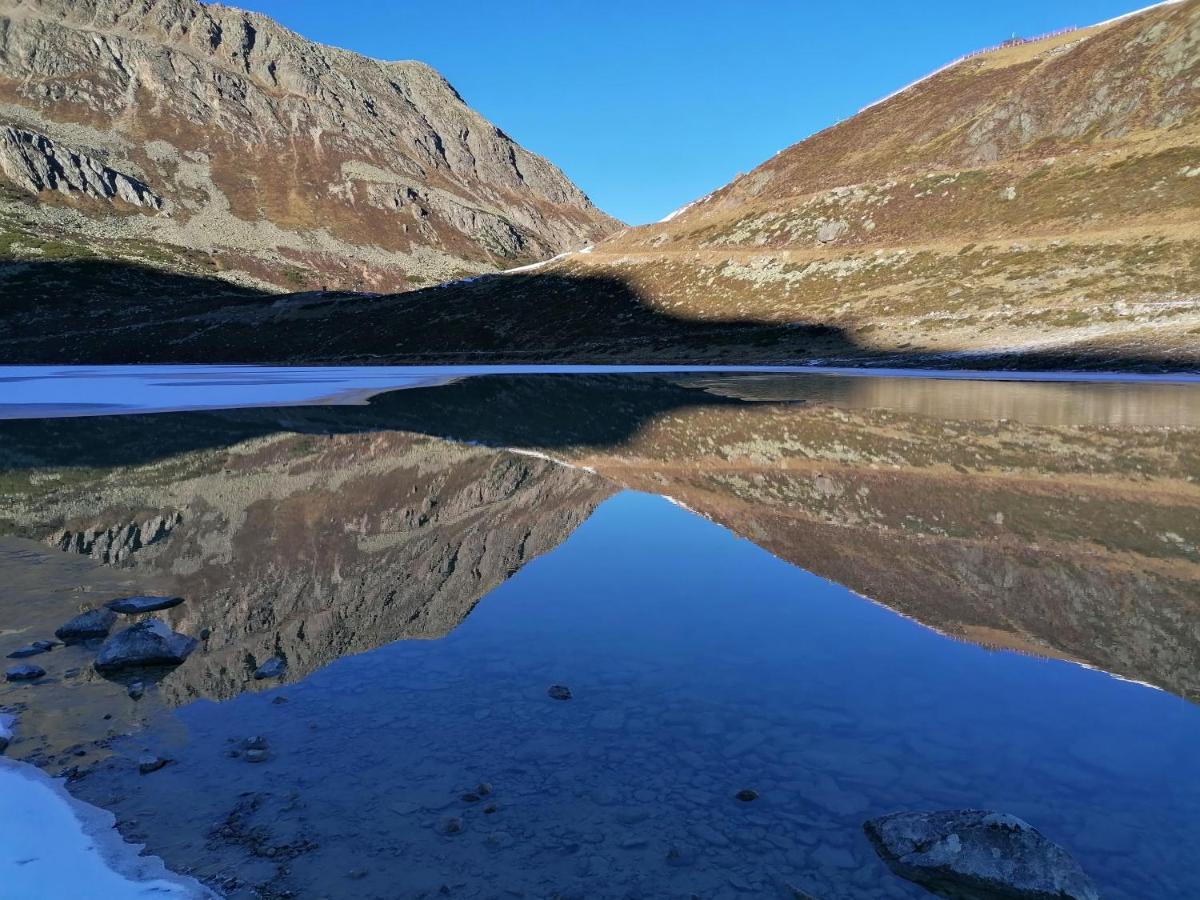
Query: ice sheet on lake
x,y
53,846
30,392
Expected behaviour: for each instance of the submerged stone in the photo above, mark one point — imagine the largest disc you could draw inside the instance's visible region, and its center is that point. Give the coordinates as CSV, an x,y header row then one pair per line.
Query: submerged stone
x,y
976,854
24,673
148,643
132,606
94,623
746,795
558,692
148,764
450,826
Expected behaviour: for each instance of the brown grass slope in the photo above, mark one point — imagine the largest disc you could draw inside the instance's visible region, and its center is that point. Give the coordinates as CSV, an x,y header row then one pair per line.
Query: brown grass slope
x,y
1045,195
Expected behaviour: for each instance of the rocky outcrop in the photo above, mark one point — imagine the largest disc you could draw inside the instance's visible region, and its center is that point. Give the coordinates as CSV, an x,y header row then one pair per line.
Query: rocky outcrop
x,y
115,543
289,162
36,163
978,855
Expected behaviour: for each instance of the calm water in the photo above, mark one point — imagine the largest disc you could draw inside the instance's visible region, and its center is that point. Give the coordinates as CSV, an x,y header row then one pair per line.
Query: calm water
x,y
851,595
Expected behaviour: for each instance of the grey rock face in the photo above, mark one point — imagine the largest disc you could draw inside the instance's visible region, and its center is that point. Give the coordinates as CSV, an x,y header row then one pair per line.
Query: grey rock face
x,y
92,624
977,854
115,543
831,231
148,643
132,606
36,163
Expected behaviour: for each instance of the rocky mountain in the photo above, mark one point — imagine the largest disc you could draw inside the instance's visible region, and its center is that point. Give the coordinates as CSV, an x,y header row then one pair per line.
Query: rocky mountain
x,y
1033,205
209,141
1043,196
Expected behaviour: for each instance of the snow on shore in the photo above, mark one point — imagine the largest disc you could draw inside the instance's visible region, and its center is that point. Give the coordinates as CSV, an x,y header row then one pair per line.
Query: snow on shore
x,y
53,846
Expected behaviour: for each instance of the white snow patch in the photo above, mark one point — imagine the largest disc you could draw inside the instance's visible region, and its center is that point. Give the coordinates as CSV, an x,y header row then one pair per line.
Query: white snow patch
x,y
537,454
974,53
687,206
537,265
1136,12
669,216
53,846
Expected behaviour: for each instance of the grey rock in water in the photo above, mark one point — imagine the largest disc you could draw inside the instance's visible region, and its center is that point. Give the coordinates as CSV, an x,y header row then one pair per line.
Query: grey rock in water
x,y
148,643
976,854
132,606
92,624
272,668
137,690
558,692
24,673
148,764
26,652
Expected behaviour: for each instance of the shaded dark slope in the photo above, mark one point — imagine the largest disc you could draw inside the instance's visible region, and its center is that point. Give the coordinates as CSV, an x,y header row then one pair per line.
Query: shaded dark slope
x,y
87,311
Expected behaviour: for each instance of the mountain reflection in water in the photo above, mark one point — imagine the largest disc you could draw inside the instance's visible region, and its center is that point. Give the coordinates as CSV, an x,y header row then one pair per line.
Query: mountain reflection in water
x,y
1059,529
1054,520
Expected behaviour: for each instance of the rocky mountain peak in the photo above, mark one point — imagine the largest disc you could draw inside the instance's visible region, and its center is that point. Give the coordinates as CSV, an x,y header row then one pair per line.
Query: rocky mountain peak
x,y
305,164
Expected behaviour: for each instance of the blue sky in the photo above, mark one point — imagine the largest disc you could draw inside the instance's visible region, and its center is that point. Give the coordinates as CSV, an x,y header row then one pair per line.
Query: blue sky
x,y
649,105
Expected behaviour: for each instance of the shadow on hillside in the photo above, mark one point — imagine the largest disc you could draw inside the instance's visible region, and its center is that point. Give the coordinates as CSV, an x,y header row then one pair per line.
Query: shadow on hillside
x,y
103,313
92,312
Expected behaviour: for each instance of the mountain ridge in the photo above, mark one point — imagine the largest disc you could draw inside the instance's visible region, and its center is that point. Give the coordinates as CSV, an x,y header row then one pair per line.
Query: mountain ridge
x,y
285,162
1035,205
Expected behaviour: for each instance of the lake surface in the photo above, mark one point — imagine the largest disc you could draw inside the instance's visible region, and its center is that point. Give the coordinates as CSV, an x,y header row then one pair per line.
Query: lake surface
x,y
851,595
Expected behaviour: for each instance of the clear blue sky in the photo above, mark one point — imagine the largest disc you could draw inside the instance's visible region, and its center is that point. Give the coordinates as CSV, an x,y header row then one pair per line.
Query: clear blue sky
x,y
648,105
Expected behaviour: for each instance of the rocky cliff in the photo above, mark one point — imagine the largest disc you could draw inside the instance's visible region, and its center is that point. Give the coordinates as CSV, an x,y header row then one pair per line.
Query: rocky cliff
x,y
211,141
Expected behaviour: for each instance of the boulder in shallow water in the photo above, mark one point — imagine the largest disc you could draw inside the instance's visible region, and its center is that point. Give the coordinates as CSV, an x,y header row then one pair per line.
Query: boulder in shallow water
x,y
148,643
24,673
272,668
132,606
95,623
975,854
